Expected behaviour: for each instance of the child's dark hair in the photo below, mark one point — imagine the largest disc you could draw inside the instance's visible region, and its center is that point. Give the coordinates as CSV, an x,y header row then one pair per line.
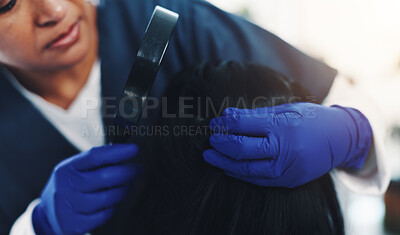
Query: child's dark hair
x,y
185,195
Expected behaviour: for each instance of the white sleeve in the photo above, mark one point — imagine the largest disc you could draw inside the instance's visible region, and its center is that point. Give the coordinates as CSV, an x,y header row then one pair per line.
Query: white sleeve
x,y
23,225
374,177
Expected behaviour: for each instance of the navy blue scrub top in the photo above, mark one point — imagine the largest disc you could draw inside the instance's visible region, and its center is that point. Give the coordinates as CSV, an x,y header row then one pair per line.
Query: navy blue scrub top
x,y
30,146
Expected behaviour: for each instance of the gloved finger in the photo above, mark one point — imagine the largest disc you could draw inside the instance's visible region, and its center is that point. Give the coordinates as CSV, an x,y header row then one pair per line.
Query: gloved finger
x,y
92,221
105,155
287,107
103,178
256,125
89,203
248,168
244,147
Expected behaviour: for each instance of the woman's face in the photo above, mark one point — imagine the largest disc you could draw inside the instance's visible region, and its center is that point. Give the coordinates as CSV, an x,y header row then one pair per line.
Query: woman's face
x,y
45,34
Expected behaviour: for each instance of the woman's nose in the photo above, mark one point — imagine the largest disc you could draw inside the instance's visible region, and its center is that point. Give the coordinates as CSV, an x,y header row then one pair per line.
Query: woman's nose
x,y
50,12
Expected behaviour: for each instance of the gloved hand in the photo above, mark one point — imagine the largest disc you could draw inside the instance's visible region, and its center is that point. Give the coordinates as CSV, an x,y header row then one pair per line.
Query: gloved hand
x,y
83,190
290,144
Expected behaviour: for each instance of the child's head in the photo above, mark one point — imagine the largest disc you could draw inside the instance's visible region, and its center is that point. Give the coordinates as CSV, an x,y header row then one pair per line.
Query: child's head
x,y
185,195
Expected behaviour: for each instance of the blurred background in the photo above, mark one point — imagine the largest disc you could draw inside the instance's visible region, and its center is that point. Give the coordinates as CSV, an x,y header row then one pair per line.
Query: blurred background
x,y
360,38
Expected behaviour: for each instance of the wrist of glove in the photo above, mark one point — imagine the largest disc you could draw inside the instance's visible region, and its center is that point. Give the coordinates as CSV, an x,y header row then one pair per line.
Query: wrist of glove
x,y
40,222
360,135
288,145
83,190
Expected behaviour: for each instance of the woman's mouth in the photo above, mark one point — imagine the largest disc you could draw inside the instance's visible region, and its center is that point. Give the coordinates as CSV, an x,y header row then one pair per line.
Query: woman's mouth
x,y
66,39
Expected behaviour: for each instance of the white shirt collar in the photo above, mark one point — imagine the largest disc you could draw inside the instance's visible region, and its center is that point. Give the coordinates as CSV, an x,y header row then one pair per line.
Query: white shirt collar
x,y
81,124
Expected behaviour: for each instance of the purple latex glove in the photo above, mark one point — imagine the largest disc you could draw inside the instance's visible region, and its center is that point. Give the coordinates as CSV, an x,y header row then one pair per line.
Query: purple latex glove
x,y
290,144
83,190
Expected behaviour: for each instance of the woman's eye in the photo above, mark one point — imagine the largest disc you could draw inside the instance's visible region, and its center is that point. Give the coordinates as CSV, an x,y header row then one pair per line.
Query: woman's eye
x,y
6,5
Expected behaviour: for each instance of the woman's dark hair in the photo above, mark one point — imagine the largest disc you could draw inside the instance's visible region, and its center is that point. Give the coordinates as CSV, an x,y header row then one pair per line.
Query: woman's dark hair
x,y
185,195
